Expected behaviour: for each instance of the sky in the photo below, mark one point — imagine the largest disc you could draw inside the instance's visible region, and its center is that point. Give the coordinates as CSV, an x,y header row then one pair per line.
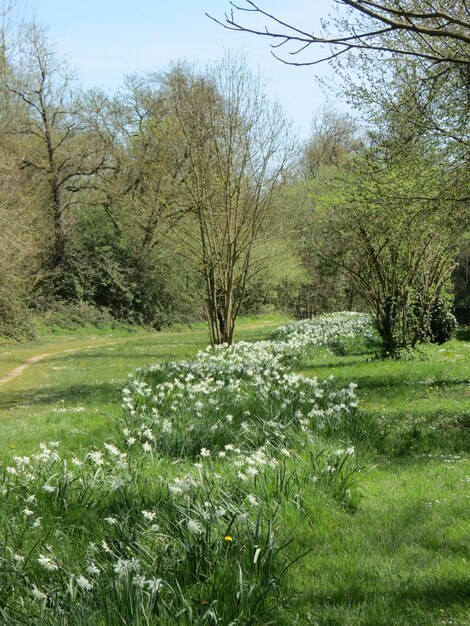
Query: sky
x,y
107,39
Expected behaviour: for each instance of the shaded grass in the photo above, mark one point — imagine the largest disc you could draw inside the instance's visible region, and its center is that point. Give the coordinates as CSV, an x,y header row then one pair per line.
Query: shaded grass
x,y
403,556
412,406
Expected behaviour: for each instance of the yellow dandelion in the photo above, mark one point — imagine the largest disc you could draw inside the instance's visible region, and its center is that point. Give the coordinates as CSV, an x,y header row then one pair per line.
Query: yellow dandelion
x,y
228,538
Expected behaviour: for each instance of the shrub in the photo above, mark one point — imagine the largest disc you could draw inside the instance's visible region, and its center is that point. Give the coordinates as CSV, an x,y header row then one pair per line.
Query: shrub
x,y
70,316
15,319
442,322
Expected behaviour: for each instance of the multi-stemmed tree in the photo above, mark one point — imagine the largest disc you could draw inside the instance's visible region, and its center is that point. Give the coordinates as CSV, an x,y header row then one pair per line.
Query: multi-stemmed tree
x,y
237,148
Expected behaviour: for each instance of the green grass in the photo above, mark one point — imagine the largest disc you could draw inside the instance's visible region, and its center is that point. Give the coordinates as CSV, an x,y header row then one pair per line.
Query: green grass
x,y
399,556
422,405
403,557
74,397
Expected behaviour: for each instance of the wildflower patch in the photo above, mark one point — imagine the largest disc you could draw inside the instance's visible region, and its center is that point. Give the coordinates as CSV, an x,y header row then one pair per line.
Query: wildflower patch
x,y
179,515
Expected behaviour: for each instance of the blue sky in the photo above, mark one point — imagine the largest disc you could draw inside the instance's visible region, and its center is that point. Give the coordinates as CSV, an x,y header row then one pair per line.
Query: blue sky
x,y
106,39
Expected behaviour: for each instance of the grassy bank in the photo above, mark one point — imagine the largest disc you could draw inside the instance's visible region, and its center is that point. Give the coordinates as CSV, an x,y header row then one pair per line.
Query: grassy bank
x,y
383,530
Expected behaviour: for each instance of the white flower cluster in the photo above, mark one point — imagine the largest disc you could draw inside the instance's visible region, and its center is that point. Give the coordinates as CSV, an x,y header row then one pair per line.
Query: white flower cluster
x,y
243,394
233,410
325,329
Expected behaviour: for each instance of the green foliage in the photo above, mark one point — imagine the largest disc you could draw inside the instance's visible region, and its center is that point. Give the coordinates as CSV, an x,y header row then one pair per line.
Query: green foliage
x,y
393,236
16,321
281,273
71,316
442,322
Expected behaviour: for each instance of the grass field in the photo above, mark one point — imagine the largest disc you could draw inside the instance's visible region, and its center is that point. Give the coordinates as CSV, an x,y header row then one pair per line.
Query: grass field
x,y
73,395
396,550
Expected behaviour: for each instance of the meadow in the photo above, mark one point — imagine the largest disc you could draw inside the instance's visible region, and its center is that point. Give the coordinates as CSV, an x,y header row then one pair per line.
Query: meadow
x,y
292,478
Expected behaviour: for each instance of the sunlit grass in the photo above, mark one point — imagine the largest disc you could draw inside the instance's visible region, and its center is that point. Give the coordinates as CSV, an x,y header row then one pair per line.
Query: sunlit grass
x,y
74,395
384,543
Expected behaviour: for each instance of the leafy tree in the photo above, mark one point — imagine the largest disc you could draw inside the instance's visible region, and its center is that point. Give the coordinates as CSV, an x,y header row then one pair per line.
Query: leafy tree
x,y
54,146
389,229
422,46
22,232
323,286
334,139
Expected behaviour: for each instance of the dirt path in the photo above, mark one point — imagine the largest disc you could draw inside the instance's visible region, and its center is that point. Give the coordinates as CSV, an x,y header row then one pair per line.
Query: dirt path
x,y
19,369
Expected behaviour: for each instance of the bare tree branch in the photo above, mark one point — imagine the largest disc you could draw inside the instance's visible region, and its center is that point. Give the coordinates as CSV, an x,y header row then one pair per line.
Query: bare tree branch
x,y
365,26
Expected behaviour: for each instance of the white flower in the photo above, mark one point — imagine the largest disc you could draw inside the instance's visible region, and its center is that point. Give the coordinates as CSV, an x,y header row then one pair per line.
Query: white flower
x,y
166,426
27,512
124,566
205,452
150,515
47,563
92,569
105,546
154,584
252,500
96,457
148,434
116,483
194,527
112,521
112,449
146,447
84,583
38,594
49,488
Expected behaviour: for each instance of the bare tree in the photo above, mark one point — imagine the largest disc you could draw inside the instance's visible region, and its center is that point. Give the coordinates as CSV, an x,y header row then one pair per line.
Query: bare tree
x,y
237,148
431,30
